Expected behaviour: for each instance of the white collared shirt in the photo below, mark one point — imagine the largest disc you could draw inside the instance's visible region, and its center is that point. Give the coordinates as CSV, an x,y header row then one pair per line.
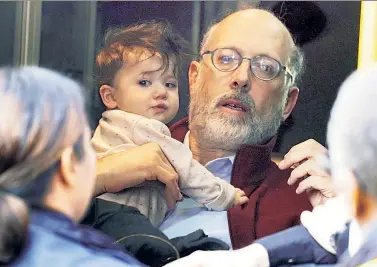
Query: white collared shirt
x,y
190,216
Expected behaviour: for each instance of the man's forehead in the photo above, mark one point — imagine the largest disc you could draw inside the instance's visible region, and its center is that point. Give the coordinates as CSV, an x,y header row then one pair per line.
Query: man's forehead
x,y
252,32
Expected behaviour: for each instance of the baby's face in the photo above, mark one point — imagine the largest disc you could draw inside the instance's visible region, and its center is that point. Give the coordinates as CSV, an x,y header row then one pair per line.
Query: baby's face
x,y
142,87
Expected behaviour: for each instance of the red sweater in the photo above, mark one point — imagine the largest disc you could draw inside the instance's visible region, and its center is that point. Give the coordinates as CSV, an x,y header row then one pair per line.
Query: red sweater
x,y
273,204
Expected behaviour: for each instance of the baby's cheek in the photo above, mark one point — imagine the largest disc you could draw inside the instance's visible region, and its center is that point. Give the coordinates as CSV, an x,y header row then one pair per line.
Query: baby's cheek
x,y
175,102
175,109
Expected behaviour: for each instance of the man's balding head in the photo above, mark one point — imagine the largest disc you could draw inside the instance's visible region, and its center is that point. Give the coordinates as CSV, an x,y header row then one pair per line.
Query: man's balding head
x,y
253,22
248,17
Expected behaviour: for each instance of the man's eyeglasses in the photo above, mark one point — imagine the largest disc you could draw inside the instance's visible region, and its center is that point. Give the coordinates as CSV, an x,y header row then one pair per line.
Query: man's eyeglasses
x,y
263,67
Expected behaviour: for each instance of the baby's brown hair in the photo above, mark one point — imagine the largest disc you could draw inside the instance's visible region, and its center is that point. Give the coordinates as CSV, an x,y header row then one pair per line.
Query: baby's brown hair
x,y
155,37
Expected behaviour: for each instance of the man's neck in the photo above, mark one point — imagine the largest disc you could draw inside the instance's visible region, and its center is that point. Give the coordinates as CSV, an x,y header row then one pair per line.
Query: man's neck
x,y
204,152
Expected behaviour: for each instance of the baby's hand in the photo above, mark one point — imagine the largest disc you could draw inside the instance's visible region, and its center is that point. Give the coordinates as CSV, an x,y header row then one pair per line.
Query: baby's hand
x,y
240,198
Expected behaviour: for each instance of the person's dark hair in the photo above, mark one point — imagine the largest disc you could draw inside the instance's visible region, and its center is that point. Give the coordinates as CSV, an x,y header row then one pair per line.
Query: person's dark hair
x,y
41,113
156,37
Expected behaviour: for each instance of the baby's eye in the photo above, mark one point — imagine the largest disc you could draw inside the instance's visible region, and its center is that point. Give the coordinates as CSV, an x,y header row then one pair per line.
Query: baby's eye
x,y
171,85
145,83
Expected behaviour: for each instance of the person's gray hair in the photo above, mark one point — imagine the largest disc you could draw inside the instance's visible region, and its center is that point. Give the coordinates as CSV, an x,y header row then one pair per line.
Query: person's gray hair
x,y
352,130
295,62
42,113
296,66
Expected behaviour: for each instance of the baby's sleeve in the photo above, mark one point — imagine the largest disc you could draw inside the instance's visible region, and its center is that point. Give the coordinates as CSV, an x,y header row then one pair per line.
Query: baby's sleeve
x,y
205,188
194,179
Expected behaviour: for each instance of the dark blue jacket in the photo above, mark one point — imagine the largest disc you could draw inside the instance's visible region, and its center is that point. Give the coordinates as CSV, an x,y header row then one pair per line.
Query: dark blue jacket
x,y
367,252
296,247
136,234
54,240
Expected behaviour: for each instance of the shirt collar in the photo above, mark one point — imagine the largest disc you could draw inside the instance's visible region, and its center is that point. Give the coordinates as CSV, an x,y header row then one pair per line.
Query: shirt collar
x,y
186,141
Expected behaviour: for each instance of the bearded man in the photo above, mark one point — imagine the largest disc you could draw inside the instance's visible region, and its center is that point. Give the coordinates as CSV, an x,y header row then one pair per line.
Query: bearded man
x,y
241,89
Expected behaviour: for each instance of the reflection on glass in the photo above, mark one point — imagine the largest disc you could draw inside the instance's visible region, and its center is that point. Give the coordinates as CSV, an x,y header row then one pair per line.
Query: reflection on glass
x,y
7,28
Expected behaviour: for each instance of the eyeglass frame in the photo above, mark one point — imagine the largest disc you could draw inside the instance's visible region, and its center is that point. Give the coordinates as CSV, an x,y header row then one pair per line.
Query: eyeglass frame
x,y
281,67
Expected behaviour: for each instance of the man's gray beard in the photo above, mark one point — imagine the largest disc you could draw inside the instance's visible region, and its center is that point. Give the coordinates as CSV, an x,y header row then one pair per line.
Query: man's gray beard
x,y
228,132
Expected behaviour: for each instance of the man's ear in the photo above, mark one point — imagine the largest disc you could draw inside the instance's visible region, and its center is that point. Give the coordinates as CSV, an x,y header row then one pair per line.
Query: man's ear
x,y
107,93
291,101
67,167
193,74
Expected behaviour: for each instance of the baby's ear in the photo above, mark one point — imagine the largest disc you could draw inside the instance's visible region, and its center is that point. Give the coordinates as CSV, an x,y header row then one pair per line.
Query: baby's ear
x,y
107,93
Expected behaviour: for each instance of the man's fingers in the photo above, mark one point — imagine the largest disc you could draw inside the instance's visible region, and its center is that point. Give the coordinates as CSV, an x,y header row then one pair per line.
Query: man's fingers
x,y
309,167
170,199
163,171
301,152
299,172
160,158
170,180
169,177
166,161
287,162
312,182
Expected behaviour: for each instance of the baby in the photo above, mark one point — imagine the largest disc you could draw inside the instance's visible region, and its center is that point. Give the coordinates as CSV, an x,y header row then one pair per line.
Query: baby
x,y
138,69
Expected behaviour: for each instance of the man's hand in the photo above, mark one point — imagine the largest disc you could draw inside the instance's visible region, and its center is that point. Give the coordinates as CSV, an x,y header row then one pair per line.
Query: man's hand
x,y
317,182
135,166
326,220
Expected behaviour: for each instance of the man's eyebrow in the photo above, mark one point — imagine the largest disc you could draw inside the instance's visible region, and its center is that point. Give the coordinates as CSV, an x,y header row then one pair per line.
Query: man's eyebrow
x,y
225,47
243,55
270,56
231,47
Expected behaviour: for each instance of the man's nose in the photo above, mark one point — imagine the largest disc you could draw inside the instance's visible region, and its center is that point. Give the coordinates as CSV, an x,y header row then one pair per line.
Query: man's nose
x,y
241,77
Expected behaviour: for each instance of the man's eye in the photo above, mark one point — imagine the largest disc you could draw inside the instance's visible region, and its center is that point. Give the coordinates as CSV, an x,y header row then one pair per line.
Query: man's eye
x,y
226,59
145,83
267,68
171,85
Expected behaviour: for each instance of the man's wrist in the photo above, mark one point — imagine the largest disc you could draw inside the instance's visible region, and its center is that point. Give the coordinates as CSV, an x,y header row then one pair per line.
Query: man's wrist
x,y
99,187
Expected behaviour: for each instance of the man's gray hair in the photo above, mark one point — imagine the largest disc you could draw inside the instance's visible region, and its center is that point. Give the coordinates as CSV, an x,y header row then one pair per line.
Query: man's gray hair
x,y
352,130
296,66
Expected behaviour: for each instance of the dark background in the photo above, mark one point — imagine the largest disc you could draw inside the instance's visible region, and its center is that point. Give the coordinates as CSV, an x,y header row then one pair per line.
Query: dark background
x,y
330,57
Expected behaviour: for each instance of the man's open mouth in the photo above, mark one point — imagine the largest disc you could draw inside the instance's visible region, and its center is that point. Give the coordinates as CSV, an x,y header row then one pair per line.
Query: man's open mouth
x,y
235,105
